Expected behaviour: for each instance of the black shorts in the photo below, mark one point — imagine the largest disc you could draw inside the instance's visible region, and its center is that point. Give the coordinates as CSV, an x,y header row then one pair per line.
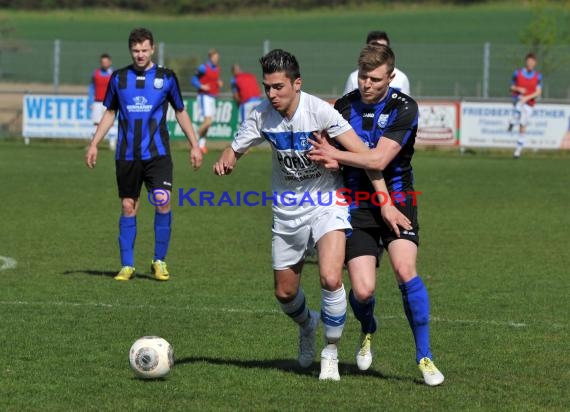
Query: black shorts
x,y
363,242
370,232
155,173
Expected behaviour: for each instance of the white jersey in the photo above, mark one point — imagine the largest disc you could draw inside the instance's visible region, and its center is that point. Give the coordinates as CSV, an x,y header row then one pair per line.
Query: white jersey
x,y
399,82
302,183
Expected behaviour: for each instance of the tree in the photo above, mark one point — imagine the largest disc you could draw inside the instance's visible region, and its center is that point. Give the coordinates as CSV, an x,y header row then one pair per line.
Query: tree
x,y
547,29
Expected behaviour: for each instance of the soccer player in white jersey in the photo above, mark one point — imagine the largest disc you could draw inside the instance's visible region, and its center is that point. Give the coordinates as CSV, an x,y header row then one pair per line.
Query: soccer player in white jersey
x,y
286,120
400,80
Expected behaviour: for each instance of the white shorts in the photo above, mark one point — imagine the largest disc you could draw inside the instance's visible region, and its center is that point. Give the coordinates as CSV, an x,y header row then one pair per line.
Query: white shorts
x,y
521,114
246,108
294,238
97,110
206,106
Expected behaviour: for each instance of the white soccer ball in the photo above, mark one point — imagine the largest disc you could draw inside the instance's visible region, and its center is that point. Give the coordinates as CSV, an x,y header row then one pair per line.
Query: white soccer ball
x,y
151,357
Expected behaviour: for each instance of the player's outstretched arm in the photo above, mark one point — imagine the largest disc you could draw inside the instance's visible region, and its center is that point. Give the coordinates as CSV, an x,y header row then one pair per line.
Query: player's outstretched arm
x,y
186,125
391,215
374,159
227,161
102,129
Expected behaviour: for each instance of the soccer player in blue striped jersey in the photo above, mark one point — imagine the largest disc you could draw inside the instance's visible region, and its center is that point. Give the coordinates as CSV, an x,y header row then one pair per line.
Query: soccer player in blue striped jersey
x,y
387,121
141,93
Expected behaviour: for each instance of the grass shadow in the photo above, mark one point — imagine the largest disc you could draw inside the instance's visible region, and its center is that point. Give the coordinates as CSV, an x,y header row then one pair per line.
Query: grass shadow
x,y
108,273
291,366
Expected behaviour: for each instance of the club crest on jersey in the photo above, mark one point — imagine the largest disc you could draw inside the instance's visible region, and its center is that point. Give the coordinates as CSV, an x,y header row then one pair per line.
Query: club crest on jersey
x,y
304,143
158,83
383,120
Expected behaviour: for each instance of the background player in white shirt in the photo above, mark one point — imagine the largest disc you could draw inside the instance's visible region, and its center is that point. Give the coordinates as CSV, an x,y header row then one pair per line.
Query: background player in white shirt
x,y
287,119
400,80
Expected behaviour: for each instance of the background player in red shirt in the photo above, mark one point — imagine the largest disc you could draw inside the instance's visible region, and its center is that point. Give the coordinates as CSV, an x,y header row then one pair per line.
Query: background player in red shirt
x,y
245,90
526,87
208,83
97,89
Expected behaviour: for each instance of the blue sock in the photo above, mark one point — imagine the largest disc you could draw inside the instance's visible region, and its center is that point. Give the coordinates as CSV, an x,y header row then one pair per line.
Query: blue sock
x,y
162,223
127,236
416,306
364,312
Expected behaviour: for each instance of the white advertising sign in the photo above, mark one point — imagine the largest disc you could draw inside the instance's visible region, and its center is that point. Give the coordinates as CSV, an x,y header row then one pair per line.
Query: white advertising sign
x,y
57,116
486,125
437,124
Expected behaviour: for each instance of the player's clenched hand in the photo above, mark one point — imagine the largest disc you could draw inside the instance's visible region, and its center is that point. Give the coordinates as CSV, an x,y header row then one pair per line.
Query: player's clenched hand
x,y
322,150
91,157
196,157
395,219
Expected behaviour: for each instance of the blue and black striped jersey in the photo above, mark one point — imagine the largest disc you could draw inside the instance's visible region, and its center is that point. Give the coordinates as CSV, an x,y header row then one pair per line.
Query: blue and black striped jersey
x,y
395,118
141,99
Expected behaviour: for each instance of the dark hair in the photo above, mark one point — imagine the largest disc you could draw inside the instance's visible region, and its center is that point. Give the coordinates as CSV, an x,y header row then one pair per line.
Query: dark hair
x,y
139,35
280,61
105,56
377,35
530,55
375,55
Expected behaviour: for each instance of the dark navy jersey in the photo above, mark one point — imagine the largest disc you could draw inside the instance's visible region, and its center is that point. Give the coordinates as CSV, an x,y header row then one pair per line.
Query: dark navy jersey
x,y
142,99
394,118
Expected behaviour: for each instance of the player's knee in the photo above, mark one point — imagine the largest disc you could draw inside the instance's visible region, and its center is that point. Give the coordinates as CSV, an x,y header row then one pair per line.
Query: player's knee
x,y
363,293
128,208
285,294
405,271
331,281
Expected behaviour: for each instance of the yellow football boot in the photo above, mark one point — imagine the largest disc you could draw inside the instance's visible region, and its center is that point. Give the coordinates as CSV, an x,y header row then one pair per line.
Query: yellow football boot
x,y
126,273
159,270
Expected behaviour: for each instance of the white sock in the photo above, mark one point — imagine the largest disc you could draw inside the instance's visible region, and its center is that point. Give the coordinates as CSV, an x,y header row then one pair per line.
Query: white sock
x,y
333,313
202,142
330,351
520,145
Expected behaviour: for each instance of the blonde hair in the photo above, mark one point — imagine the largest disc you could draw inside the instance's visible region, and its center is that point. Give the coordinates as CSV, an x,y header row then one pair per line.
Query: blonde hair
x,y
376,55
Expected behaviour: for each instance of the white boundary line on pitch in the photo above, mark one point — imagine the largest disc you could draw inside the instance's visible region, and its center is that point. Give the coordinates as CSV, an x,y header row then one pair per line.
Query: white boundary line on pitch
x,y
511,324
7,263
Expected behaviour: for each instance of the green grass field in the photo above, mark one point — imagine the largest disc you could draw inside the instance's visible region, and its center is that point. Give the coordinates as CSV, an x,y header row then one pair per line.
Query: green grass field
x,y
494,257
